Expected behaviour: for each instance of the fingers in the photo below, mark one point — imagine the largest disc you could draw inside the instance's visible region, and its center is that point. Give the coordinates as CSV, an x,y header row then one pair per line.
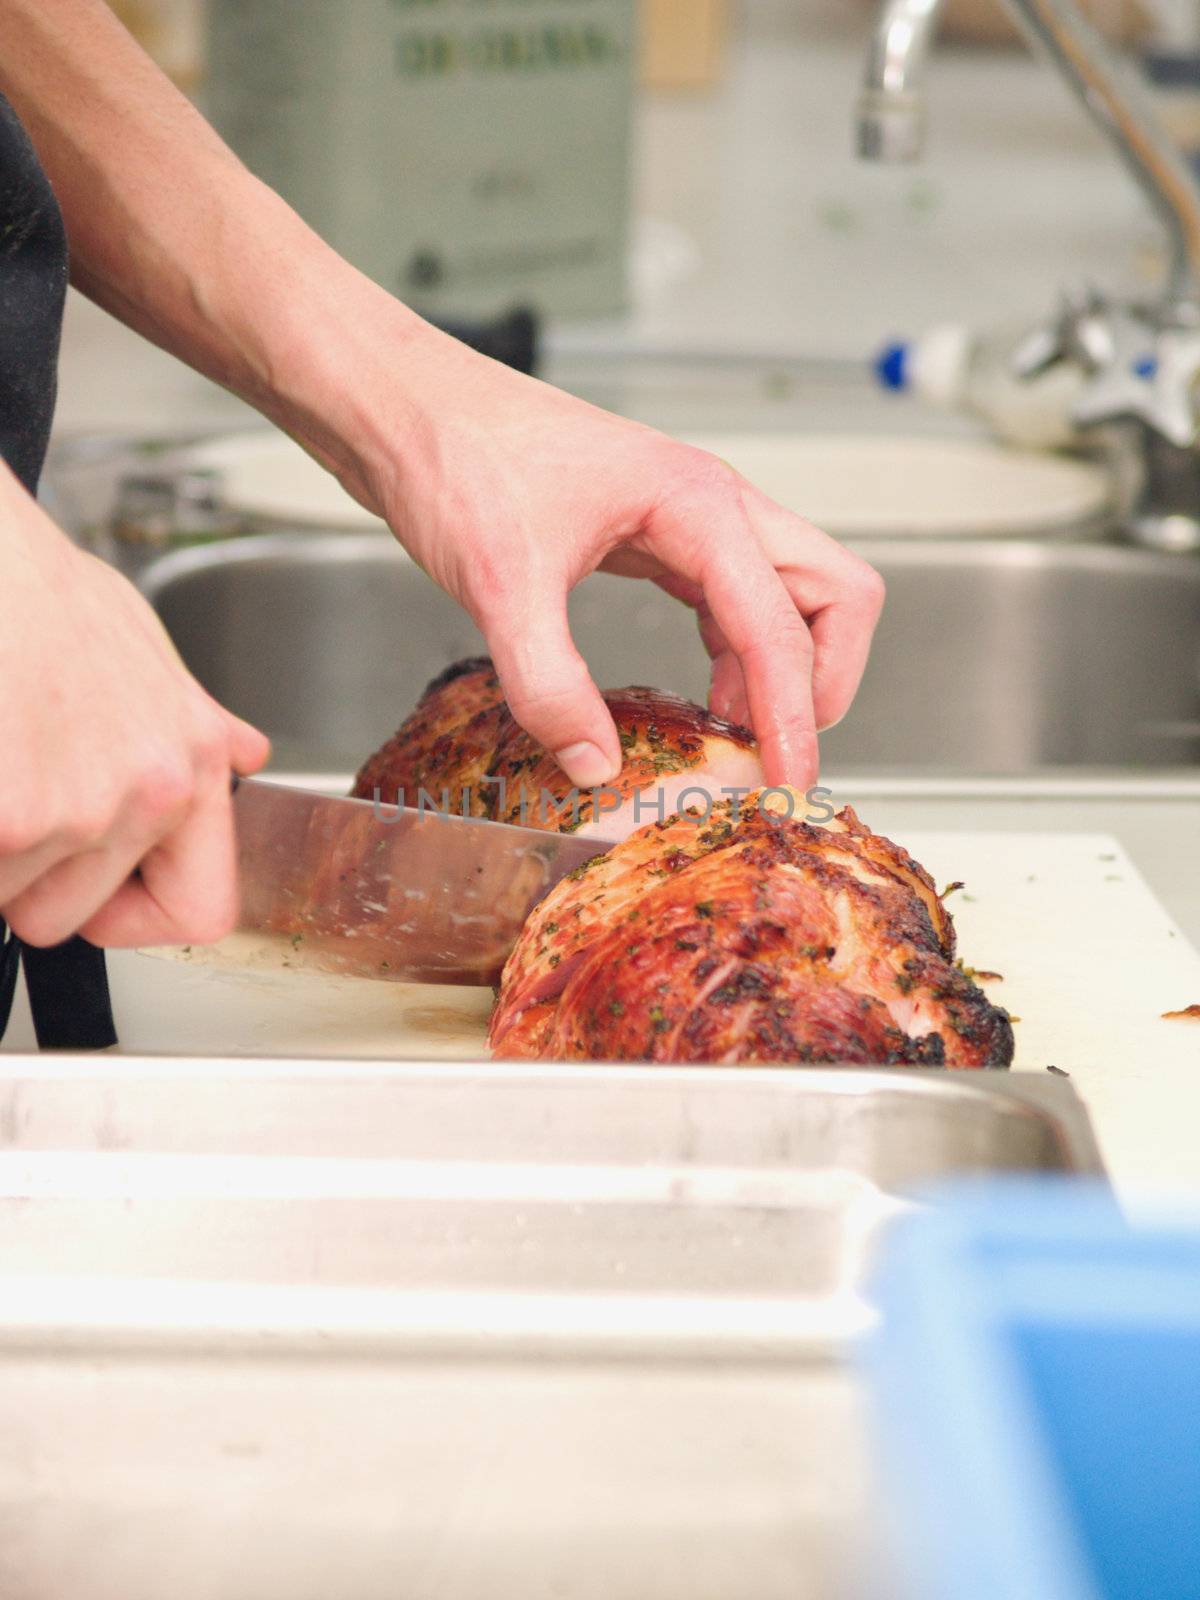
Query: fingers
x,y
173,828
187,886
838,594
842,633
774,654
727,694
117,759
104,843
547,684
21,865
703,535
727,697
64,898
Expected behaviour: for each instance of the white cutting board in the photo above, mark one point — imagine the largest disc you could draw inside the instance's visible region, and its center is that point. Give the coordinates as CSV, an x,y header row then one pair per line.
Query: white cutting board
x,y
1089,956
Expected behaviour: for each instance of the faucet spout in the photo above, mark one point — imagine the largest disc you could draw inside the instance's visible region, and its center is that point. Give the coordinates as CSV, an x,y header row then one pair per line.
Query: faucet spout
x,y
891,106
891,110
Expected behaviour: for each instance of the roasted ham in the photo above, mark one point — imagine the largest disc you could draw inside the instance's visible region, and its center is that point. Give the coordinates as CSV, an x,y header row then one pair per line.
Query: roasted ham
x,y
731,930
746,938
449,742
463,747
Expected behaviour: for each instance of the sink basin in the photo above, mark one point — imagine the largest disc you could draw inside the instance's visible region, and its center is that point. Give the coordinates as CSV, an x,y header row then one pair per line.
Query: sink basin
x,y
304,1330
993,656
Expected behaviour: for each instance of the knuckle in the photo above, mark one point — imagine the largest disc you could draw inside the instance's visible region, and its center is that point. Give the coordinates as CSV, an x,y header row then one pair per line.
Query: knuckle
x,y
500,572
88,822
163,790
488,605
209,924
708,474
210,743
788,631
20,831
872,588
35,922
535,702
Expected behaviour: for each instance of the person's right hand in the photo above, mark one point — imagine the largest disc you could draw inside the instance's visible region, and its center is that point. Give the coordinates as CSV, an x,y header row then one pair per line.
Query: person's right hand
x,y
113,759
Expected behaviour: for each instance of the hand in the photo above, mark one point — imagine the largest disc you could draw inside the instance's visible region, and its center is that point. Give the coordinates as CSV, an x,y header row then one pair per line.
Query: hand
x,y
508,492
114,757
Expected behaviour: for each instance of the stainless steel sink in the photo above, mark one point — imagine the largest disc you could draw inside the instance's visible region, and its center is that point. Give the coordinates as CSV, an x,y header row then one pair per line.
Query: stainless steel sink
x,y
299,1330
992,657
495,1179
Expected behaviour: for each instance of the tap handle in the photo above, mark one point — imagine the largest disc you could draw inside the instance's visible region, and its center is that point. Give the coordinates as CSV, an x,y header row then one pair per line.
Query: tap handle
x,y
1140,364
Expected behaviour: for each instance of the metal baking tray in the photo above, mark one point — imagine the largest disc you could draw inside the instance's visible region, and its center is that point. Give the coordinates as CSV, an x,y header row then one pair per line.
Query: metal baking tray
x,y
313,1330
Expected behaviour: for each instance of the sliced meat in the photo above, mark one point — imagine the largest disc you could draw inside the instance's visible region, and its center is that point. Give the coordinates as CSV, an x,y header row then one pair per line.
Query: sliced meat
x,y
752,938
669,746
445,747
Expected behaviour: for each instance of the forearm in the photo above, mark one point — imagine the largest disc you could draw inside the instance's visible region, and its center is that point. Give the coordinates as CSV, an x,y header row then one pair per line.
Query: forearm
x,y
171,233
507,492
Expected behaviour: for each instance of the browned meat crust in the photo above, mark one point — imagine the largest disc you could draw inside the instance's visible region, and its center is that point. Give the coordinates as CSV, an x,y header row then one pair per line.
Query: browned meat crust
x,y
462,736
726,936
755,940
447,744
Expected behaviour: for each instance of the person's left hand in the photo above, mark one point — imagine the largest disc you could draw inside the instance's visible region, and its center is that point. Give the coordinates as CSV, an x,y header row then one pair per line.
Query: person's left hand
x,y
508,492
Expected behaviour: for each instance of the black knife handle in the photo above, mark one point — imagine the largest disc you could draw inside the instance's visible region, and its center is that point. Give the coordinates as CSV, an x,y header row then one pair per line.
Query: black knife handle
x,y
514,337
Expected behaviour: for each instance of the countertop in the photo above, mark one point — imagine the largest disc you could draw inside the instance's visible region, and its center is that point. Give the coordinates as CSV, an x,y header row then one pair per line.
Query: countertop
x,y
1090,998
1155,818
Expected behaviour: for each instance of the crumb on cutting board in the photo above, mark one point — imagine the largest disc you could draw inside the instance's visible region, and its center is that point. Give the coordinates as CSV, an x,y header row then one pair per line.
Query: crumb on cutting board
x,y
979,974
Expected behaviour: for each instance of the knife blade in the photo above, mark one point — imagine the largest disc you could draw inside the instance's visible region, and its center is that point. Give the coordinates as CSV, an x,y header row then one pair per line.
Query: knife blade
x,y
375,891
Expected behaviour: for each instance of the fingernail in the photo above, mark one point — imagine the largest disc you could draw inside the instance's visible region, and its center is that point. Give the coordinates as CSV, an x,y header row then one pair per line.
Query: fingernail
x,y
586,764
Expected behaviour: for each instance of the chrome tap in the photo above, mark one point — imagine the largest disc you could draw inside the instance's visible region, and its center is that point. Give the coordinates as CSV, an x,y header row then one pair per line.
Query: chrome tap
x,y
891,107
1142,360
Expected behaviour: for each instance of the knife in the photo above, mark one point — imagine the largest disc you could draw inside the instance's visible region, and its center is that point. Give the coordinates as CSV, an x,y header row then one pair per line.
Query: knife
x,y
375,891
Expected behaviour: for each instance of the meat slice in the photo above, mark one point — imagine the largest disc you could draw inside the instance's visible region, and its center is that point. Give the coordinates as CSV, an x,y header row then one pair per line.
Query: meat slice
x,y
893,862
669,746
751,937
445,746
462,737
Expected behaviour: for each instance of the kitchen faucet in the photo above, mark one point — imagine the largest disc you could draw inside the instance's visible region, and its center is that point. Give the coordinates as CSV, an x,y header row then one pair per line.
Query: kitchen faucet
x,y
1142,359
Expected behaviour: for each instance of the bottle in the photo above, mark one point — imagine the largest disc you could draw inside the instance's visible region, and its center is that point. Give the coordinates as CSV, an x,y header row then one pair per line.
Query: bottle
x,y
953,367
466,154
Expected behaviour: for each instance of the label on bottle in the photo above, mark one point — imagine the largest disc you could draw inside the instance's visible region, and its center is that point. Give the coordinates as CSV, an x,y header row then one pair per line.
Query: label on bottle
x,y
466,154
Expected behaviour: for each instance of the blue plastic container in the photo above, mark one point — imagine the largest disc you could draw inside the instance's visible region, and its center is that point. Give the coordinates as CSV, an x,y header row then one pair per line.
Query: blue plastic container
x,y
1036,1382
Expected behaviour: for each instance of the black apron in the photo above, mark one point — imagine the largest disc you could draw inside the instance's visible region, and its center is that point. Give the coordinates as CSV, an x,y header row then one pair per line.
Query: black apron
x,y
68,987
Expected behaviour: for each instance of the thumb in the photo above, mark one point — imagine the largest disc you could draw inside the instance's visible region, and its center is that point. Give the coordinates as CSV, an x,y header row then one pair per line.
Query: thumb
x,y
550,690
